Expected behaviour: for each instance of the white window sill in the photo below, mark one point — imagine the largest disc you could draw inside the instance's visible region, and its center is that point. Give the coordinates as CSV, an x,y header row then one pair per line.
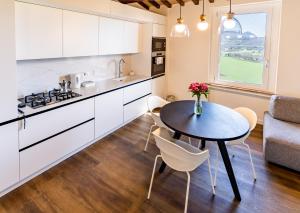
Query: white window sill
x,y
242,90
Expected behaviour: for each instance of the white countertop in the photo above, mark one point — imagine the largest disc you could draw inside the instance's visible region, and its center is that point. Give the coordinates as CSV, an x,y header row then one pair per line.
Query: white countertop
x,y
100,88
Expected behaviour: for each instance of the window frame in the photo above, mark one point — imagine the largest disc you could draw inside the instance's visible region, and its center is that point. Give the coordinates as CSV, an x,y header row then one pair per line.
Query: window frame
x,y
273,11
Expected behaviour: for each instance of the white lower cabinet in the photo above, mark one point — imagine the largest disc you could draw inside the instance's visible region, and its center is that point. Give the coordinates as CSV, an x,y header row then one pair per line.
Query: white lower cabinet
x,y
9,155
158,86
44,154
135,109
136,91
45,125
108,112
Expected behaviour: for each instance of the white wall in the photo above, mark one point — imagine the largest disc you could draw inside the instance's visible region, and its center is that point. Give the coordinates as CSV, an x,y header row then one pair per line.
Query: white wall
x,y
35,76
188,59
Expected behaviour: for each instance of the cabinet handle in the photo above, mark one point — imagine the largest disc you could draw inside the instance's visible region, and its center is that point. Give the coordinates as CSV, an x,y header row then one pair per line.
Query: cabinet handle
x,y
24,118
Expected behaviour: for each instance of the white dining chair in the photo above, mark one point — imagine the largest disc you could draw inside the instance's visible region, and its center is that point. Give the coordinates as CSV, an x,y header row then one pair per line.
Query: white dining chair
x,y
179,156
155,102
251,116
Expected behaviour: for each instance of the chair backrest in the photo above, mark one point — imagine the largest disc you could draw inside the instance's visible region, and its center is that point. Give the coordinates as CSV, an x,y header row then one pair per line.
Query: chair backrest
x,y
155,102
249,114
179,157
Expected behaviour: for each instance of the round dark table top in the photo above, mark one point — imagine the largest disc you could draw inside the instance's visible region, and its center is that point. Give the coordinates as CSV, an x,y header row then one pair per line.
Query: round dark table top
x,y
216,123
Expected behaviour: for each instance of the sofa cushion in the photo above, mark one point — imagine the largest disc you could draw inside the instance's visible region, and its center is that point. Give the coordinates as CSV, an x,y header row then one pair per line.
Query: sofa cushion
x,y
285,108
282,142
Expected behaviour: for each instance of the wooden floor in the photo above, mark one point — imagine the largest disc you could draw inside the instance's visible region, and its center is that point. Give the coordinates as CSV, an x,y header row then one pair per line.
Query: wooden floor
x,y
113,176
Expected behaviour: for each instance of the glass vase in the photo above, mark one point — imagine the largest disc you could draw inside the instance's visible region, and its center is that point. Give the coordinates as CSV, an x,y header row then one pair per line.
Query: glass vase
x,y
198,106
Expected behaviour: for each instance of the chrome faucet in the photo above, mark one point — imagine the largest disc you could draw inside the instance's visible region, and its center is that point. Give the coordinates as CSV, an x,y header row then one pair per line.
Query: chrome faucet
x,y
120,63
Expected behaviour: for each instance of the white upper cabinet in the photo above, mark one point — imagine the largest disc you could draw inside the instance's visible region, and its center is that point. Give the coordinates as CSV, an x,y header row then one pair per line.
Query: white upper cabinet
x,y
80,34
110,36
131,37
118,37
159,30
38,31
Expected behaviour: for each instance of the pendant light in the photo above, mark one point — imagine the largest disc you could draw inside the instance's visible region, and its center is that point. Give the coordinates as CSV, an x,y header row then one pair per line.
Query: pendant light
x,y
202,24
180,30
229,22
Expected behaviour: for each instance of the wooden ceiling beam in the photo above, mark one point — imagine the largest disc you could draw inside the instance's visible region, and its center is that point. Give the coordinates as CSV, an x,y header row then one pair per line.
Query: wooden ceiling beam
x,y
181,2
154,3
140,2
196,2
144,5
166,3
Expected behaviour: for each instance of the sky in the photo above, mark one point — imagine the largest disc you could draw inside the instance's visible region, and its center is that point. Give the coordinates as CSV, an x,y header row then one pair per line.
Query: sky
x,y
255,23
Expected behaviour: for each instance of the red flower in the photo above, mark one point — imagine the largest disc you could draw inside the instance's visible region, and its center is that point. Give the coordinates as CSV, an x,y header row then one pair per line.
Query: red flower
x,y
198,89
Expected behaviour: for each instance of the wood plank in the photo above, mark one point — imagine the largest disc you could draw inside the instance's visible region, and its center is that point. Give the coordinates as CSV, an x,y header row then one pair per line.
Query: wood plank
x,y
166,3
196,2
113,176
154,3
181,2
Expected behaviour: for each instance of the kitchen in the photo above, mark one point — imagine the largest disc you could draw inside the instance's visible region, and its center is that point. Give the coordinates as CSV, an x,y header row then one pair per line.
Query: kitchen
x,y
137,106
68,62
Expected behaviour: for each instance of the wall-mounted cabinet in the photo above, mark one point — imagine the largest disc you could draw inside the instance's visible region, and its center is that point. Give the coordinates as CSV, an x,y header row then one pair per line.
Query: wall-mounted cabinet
x,y
38,31
131,37
118,36
159,30
110,36
80,34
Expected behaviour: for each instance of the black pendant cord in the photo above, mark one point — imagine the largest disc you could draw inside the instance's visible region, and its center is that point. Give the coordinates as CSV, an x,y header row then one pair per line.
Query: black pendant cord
x,y
230,6
203,7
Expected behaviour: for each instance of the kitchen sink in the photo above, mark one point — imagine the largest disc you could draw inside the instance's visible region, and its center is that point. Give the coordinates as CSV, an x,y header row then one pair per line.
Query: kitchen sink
x,y
123,79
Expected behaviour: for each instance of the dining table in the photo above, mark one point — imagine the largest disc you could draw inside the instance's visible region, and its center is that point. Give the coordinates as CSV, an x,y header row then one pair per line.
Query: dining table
x,y
217,124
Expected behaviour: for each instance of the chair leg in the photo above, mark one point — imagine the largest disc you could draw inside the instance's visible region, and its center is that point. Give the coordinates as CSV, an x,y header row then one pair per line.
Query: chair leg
x,y
190,141
216,169
252,165
187,192
149,135
210,176
152,177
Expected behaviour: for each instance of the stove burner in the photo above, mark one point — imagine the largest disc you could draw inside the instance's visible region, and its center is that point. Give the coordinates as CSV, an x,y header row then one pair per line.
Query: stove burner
x,y
43,99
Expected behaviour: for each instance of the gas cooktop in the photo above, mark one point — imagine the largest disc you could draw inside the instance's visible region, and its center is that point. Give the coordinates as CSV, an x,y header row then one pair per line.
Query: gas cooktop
x,y
37,100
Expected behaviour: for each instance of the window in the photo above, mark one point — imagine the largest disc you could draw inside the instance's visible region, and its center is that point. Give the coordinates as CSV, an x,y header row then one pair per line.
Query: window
x,y
246,55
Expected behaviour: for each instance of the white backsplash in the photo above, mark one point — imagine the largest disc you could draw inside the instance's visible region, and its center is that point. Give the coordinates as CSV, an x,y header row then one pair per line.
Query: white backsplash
x,y
41,75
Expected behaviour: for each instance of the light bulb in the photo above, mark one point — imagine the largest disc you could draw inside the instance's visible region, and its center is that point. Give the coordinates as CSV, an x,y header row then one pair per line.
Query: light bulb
x,y
179,27
229,23
202,25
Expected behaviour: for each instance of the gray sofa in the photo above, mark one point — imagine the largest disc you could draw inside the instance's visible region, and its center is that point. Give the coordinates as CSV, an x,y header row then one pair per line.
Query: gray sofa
x,y
282,132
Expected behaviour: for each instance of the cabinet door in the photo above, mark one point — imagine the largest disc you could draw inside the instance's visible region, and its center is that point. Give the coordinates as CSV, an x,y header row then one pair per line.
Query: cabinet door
x,y
110,36
159,31
137,91
48,152
47,124
158,86
131,37
80,34
135,109
9,155
108,112
8,80
38,31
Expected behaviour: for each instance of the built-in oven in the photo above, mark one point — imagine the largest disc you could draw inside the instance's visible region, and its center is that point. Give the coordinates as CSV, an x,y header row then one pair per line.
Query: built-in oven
x,y
158,56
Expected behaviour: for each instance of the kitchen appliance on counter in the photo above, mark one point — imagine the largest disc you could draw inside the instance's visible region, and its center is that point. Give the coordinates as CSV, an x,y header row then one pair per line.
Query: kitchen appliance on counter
x,y
158,56
37,100
76,80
